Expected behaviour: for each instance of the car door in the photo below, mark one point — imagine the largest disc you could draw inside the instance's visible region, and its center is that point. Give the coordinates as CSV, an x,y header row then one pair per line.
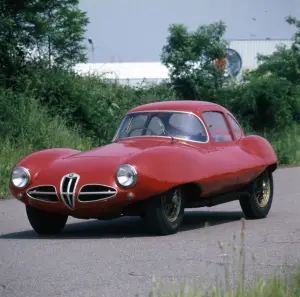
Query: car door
x,y
225,146
248,168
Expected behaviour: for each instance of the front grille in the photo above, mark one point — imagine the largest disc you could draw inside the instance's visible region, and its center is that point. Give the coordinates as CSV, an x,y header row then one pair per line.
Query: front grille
x,y
68,188
96,192
45,193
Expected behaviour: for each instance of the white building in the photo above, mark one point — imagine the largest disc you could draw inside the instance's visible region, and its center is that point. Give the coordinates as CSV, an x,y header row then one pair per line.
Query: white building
x,y
135,72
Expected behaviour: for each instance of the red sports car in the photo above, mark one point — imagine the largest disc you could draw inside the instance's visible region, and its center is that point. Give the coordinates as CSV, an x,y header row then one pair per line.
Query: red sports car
x,y
164,157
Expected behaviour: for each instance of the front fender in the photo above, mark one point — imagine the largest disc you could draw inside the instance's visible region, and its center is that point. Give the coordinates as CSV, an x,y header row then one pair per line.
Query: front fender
x,y
162,168
39,160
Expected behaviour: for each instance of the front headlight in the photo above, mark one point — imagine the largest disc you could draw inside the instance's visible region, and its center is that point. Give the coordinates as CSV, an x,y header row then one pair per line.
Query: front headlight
x,y
20,177
126,175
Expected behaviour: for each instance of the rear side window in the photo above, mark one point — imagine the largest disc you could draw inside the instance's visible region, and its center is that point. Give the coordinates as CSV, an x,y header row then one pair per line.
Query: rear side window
x,y
235,126
217,125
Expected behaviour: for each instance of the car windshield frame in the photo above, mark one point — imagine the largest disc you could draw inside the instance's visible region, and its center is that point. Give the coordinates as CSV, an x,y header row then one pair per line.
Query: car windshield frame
x,y
123,126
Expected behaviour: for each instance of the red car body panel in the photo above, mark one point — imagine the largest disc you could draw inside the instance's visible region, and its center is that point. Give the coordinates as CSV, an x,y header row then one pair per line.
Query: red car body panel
x,y
161,163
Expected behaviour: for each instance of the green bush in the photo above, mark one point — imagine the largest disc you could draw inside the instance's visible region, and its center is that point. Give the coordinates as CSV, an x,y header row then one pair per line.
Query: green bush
x,y
266,103
93,103
25,127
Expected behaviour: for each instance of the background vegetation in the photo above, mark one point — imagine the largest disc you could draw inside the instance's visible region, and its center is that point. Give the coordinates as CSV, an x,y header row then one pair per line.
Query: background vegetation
x,y
41,97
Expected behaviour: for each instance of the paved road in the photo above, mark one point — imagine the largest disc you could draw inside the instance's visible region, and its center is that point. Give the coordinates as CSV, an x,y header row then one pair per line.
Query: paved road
x,y
116,258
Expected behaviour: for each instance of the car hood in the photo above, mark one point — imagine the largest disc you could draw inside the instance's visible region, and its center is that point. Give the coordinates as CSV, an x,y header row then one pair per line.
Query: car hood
x,y
102,162
118,150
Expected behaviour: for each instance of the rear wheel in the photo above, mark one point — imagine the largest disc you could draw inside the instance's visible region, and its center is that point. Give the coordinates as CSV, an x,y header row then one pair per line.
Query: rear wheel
x,y
258,204
45,223
164,213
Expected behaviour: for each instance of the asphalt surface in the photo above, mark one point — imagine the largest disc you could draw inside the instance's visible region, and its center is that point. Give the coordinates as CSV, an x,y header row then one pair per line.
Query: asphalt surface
x,y
117,258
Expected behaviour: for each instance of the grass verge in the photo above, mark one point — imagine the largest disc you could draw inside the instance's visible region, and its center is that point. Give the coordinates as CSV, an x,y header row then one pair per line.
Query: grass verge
x,y
275,286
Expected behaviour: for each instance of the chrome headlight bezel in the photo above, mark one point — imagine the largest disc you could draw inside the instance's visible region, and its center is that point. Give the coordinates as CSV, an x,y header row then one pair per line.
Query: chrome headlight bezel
x,y
130,169
24,171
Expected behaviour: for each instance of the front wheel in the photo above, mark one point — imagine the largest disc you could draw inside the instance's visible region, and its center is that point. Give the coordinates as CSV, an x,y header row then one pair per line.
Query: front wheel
x,y
164,213
45,223
258,204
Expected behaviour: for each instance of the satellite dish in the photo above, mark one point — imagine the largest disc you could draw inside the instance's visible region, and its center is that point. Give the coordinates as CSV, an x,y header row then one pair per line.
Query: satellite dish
x,y
232,61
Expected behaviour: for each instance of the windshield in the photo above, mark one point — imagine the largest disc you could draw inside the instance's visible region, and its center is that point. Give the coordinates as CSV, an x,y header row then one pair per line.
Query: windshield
x,y
176,124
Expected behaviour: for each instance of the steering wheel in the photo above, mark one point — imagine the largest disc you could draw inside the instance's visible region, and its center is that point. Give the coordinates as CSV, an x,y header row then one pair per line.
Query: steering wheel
x,y
142,128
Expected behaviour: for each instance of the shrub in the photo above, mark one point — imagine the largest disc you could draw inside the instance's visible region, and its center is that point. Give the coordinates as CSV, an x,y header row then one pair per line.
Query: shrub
x,y
25,127
93,103
191,59
266,103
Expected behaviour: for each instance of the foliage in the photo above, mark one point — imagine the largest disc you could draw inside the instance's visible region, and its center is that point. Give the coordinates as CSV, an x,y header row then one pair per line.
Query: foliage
x,y
285,62
41,102
92,102
32,30
267,103
191,60
59,31
25,127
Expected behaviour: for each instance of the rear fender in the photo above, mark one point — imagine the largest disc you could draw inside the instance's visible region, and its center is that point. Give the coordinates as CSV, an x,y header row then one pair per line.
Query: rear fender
x,y
261,147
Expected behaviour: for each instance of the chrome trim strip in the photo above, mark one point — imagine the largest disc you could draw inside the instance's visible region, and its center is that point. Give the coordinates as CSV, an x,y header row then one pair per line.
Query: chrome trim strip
x,y
173,111
30,191
40,193
96,193
69,200
68,194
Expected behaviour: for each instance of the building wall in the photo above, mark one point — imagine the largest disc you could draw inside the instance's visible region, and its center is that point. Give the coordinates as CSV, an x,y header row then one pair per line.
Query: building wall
x,y
248,49
135,72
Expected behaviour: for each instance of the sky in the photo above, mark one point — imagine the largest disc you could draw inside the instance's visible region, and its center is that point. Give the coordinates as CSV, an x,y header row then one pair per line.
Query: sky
x,y
136,30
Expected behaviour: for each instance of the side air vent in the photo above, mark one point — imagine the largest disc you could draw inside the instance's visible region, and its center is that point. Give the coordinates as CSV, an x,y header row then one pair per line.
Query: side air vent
x,y
89,193
45,193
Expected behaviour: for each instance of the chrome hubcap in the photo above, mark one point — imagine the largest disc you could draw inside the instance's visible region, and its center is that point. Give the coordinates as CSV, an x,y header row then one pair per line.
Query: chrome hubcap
x,y
262,190
172,205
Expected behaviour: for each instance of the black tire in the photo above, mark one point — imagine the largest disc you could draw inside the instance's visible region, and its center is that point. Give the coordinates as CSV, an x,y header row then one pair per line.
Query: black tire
x,y
155,217
45,223
253,207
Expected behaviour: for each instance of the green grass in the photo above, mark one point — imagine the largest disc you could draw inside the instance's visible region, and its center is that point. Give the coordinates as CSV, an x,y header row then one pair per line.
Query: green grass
x,y
286,144
26,127
275,286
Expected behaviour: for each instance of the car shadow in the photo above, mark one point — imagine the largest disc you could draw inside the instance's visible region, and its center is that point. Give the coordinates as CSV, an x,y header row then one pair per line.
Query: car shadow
x,y
127,227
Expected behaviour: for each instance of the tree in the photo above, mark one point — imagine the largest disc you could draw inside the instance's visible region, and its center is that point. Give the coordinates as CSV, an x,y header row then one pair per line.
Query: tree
x,y
191,60
284,62
52,28
59,31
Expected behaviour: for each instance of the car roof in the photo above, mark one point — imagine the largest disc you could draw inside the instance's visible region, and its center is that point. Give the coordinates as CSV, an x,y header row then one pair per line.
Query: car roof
x,y
179,105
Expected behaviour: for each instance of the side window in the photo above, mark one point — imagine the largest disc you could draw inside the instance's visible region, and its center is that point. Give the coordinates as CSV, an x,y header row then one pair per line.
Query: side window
x,y
236,128
217,125
185,125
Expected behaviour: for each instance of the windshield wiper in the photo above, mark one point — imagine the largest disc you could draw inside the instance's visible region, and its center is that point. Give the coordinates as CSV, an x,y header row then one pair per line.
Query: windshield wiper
x,y
165,131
